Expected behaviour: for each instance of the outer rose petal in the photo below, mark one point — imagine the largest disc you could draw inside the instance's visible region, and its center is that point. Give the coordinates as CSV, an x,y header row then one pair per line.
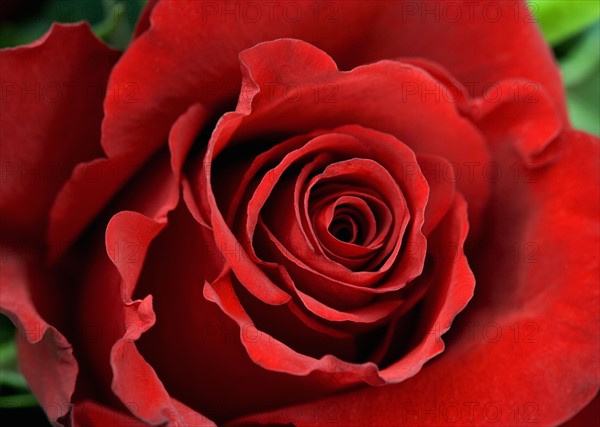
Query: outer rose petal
x,y
505,362
45,357
134,381
52,92
520,114
184,33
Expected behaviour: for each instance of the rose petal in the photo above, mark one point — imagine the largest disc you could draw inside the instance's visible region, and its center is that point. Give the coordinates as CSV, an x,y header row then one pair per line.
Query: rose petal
x,y
371,313
454,90
450,290
300,331
128,236
177,45
133,379
107,295
526,109
440,178
273,355
45,356
49,121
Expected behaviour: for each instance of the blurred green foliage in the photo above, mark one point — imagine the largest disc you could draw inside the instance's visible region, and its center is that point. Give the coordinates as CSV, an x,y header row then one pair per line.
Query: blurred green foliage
x,y
112,20
572,27
561,19
581,73
14,392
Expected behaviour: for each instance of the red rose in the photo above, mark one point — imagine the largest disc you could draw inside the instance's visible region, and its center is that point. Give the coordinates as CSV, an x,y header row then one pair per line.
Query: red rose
x,y
384,219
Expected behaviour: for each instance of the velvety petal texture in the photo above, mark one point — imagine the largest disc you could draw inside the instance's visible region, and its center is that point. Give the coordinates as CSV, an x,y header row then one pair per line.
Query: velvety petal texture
x,y
313,213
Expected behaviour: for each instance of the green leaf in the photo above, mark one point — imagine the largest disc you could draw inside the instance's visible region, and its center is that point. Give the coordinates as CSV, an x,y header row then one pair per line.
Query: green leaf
x,y
113,18
9,371
24,400
580,66
8,355
12,379
582,59
584,104
561,19
17,395
7,329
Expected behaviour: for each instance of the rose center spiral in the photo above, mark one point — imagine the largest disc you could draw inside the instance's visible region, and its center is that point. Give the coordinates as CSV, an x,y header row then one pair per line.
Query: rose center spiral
x,y
345,229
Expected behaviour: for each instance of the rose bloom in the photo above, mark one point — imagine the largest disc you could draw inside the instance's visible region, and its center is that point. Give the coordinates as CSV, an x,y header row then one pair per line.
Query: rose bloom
x,y
301,213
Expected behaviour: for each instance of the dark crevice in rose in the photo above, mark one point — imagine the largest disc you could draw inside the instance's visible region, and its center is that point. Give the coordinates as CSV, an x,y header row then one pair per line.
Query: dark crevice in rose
x,y
225,170
370,340
350,215
403,330
374,217
345,229
225,180
403,338
199,146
